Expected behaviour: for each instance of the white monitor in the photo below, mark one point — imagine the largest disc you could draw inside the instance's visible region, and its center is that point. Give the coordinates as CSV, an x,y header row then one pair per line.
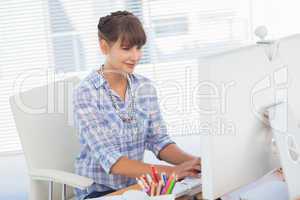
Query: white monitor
x,y
287,137
237,87
289,48
285,117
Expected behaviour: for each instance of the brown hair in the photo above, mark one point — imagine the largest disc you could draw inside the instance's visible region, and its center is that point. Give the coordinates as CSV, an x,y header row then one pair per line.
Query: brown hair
x,y
122,25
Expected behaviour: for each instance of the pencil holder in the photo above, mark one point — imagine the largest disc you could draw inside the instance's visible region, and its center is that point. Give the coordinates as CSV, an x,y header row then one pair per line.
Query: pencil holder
x,y
137,194
164,197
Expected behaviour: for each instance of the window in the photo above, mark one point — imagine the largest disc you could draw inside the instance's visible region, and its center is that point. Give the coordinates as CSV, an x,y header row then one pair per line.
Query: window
x,y
171,26
61,36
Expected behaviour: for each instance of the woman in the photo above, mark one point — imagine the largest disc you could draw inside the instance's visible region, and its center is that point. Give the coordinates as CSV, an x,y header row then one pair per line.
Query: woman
x,y
117,115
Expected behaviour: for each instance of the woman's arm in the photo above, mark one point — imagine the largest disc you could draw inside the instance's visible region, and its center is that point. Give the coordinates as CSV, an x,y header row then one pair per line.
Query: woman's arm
x,y
174,155
136,168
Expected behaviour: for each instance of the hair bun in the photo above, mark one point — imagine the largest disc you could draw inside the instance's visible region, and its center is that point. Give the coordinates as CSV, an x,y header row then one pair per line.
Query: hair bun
x,y
105,19
121,13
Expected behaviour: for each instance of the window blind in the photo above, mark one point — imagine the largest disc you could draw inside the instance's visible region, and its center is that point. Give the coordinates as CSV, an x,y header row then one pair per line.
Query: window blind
x,y
60,36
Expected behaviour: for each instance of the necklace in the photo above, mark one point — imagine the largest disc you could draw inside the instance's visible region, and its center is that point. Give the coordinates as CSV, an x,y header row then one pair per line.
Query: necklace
x,y
128,117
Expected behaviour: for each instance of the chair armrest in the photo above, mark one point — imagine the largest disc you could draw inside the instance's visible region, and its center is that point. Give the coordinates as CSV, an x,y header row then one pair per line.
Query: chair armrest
x,y
62,177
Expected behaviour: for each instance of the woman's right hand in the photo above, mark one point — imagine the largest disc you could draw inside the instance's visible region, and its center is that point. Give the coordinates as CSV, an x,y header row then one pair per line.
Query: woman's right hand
x,y
190,168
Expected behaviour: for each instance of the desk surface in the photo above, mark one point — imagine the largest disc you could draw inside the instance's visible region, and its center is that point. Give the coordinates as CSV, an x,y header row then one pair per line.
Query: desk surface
x,y
275,175
119,192
137,187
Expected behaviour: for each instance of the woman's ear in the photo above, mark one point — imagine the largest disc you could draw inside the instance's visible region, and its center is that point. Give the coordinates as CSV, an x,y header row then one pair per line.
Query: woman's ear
x,y
104,46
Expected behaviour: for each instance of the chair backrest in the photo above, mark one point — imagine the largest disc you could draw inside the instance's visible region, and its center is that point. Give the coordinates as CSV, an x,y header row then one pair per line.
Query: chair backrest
x,y
287,137
43,118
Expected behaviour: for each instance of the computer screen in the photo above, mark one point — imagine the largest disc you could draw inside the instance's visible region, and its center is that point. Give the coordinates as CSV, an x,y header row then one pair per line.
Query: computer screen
x,y
237,87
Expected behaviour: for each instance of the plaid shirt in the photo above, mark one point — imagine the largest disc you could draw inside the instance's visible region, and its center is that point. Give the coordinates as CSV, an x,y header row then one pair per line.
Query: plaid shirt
x,y
104,137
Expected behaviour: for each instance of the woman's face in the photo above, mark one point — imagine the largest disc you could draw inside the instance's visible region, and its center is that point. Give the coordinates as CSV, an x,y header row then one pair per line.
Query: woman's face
x,y
121,57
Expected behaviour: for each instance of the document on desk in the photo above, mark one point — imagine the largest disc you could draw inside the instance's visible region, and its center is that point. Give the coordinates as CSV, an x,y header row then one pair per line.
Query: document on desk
x,y
268,191
257,189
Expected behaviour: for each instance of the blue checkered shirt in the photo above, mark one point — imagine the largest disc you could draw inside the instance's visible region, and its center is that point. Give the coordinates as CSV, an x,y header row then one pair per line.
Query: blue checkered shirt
x,y
104,137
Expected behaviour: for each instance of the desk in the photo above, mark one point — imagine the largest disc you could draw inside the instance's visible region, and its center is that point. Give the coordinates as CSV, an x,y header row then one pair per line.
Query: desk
x,y
137,187
271,176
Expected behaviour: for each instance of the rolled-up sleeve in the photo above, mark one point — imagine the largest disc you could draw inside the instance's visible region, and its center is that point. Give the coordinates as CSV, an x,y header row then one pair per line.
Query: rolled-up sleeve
x,y
157,137
95,130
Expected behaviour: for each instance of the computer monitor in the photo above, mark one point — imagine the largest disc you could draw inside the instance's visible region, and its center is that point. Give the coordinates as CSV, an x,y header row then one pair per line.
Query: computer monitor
x,y
284,117
287,137
236,88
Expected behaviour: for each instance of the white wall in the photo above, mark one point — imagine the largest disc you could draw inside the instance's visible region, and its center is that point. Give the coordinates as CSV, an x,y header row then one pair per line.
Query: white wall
x,y
280,16
14,179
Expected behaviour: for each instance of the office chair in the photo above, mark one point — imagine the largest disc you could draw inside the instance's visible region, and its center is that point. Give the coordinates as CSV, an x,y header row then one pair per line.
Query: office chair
x,y
43,119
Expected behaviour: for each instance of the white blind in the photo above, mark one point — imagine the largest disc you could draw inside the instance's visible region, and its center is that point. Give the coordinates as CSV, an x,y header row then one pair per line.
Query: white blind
x,y
38,37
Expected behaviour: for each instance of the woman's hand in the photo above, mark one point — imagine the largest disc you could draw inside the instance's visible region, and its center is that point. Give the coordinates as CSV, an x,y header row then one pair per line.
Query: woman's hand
x,y
189,168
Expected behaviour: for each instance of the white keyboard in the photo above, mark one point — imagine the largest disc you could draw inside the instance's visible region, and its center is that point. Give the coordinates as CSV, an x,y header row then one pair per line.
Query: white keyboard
x,y
188,186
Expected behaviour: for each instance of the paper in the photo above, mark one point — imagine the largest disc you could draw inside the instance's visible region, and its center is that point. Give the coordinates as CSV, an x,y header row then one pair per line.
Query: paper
x,y
267,191
275,175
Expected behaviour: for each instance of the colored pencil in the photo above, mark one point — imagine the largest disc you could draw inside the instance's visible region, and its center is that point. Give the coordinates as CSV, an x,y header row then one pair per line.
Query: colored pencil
x,y
159,187
142,186
170,189
154,174
152,191
145,179
164,178
168,184
149,179
147,186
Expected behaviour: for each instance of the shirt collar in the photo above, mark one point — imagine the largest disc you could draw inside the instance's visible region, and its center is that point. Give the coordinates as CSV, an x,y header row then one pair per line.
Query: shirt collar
x,y
98,80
